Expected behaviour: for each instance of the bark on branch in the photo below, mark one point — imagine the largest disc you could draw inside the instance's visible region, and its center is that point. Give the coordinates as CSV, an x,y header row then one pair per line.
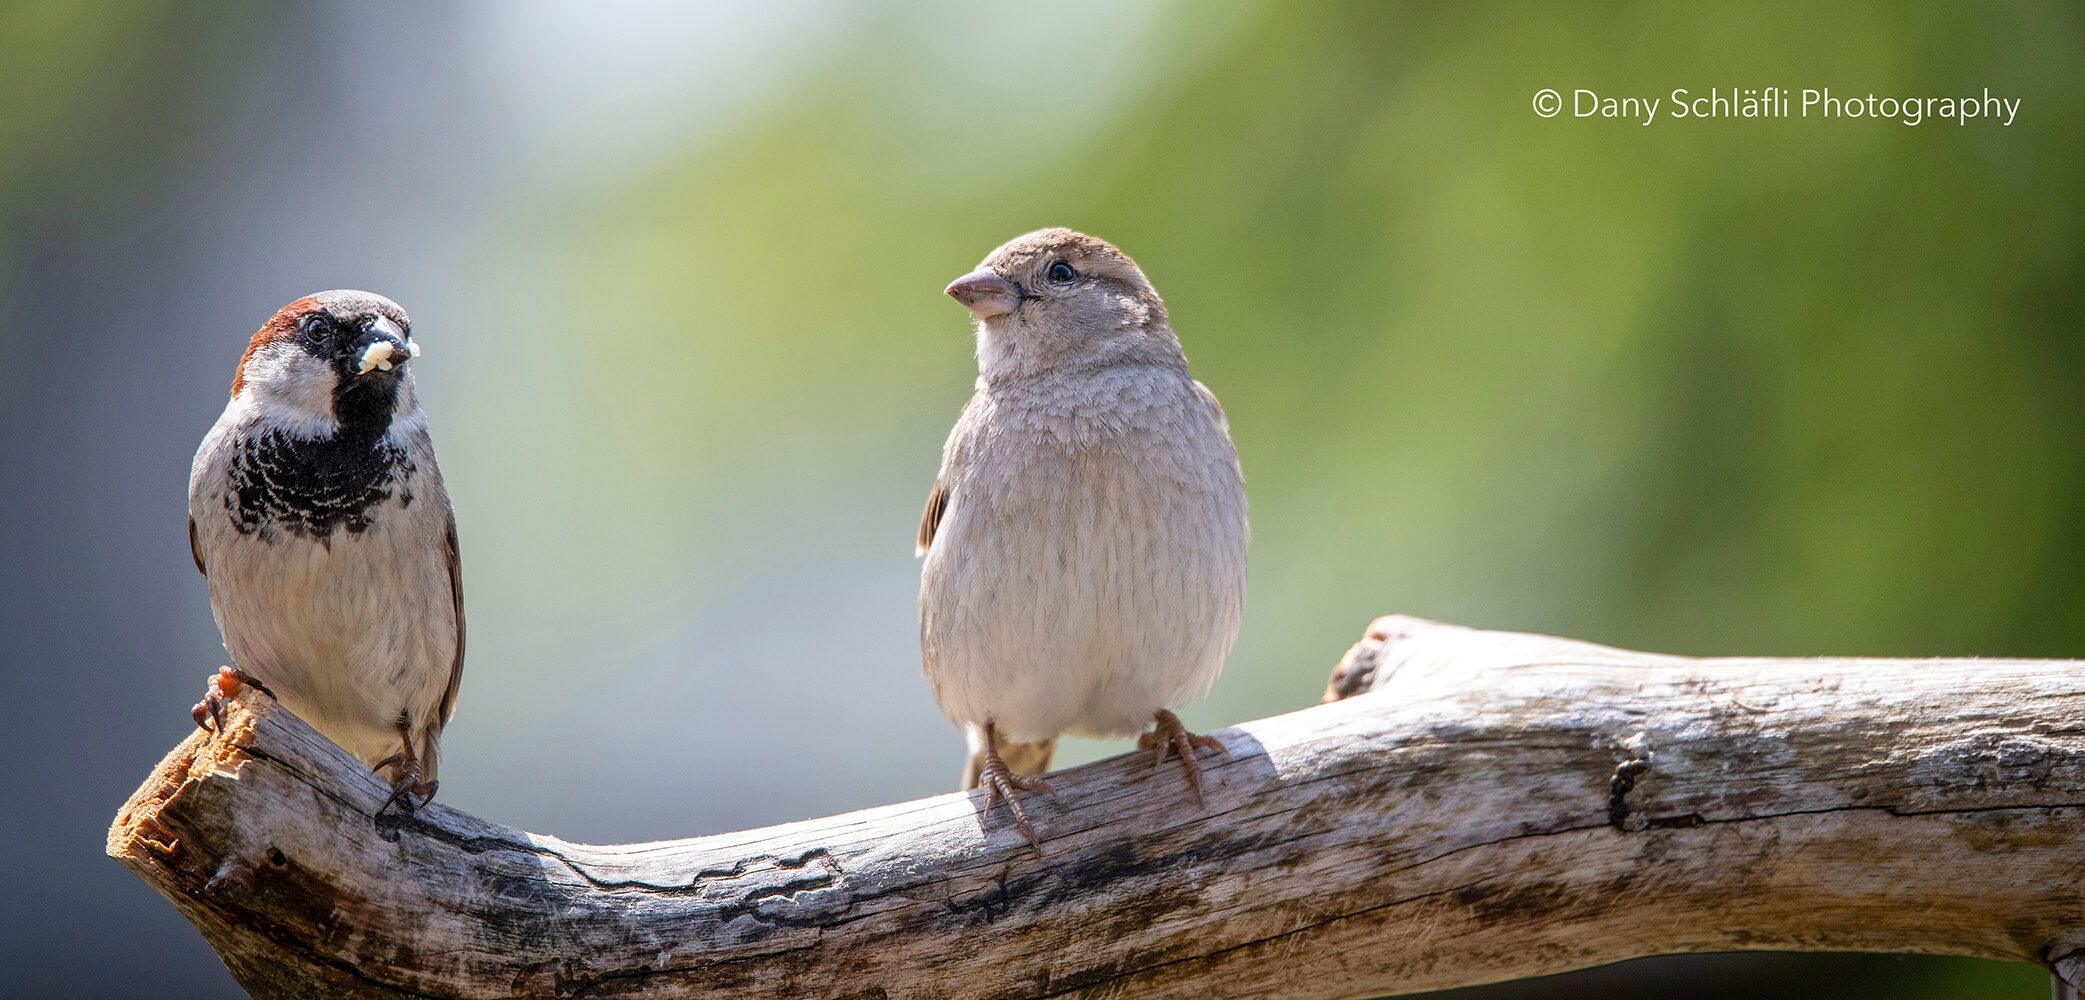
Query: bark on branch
x,y
1484,806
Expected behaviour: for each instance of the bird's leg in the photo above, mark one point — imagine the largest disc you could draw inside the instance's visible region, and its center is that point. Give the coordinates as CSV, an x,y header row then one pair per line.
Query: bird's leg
x,y
408,782
222,685
997,779
1171,735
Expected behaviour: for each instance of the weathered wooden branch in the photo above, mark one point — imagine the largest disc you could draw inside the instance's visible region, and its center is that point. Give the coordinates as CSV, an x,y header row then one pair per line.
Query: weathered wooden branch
x,y
1488,806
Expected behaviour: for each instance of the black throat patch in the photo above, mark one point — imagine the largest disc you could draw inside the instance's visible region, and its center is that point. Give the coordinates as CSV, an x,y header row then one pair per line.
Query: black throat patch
x,y
308,486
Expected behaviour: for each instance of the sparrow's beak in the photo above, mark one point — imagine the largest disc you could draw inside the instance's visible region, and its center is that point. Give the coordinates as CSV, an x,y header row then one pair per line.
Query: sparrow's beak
x,y
984,294
383,346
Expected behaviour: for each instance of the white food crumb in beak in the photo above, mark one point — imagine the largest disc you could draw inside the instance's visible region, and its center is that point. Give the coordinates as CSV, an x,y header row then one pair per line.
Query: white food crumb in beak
x,y
378,356
412,348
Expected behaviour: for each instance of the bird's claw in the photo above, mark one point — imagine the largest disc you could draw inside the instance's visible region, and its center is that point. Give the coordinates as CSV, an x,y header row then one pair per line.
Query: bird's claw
x,y
408,783
222,686
1170,735
407,786
229,680
997,779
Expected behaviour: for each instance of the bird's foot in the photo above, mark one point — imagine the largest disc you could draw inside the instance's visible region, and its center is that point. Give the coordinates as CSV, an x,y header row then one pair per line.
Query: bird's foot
x,y
407,784
221,686
997,779
1170,735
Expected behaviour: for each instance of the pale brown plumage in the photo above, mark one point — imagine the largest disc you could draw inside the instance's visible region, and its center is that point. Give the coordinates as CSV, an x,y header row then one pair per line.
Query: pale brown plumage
x,y
1085,538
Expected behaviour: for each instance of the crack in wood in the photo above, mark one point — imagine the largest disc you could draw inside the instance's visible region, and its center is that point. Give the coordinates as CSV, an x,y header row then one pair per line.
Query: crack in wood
x,y
1620,785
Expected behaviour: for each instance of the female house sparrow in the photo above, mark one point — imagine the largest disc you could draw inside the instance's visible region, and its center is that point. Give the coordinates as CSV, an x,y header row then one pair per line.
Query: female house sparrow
x,y
317,514
1085,541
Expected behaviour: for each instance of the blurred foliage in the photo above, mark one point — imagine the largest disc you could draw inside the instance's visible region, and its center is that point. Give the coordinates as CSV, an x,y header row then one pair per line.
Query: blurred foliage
x,y
49,76
1777,387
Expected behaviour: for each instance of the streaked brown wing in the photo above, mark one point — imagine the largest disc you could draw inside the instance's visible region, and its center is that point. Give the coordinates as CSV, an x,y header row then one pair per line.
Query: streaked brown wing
x,y
930,519
448,706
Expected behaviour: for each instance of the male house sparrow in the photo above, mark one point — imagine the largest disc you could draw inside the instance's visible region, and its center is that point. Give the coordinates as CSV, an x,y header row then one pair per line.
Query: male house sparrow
x,y
1085,541
317,514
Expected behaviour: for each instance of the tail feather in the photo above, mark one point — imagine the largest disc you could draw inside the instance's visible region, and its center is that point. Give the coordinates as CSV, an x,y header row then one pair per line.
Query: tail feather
x,y
430,751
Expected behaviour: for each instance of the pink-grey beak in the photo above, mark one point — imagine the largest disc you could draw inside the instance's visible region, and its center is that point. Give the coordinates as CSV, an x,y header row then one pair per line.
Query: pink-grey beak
x,y
984,294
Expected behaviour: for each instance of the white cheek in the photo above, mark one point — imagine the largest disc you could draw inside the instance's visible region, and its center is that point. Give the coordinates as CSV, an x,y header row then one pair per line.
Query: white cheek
x,y
285,375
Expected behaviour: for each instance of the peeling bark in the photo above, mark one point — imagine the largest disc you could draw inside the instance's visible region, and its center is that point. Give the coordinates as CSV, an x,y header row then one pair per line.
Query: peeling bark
x,y
1471,806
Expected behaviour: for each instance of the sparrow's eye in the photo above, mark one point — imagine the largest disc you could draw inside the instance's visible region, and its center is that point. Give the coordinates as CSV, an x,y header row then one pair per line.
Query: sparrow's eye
x,y
1061,271
314,327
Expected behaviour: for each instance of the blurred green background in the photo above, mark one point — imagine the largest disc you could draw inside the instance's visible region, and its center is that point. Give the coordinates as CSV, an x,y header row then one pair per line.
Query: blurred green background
x,y
1790,387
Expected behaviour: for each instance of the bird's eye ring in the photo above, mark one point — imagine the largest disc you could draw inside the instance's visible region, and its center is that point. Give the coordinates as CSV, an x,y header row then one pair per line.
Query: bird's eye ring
x,y
1061,271
313,326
